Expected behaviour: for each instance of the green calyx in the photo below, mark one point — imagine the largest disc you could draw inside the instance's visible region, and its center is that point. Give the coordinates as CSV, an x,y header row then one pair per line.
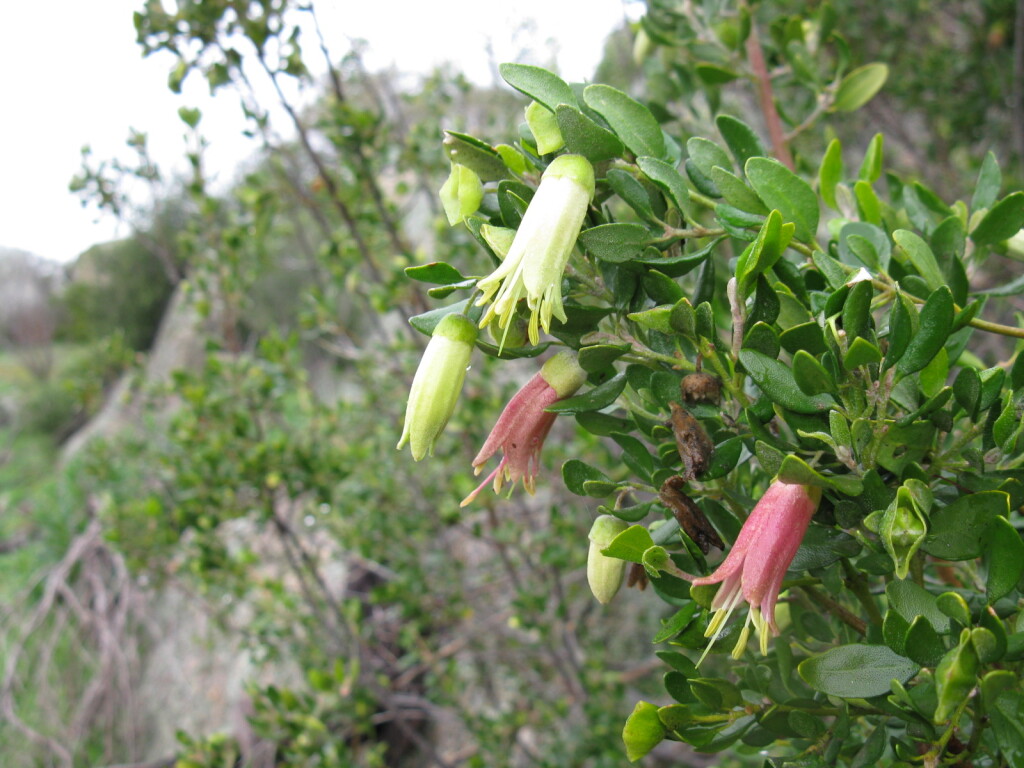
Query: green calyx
x,y
456,327
575,167
563,373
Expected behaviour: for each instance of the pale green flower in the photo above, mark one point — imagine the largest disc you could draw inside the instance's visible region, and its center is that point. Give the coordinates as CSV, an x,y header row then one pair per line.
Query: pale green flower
x,y
437,384
533,268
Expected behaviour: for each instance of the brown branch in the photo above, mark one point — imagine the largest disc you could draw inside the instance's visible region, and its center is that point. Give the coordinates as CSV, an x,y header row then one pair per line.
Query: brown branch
x,y
755,54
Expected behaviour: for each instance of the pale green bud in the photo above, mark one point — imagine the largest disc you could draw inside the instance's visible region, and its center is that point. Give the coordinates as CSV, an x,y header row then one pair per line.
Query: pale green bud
x,y
544,127
437,384
461,194
605,574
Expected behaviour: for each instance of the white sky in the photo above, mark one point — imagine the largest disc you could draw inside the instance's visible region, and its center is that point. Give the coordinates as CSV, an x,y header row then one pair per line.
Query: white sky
x,y
71,74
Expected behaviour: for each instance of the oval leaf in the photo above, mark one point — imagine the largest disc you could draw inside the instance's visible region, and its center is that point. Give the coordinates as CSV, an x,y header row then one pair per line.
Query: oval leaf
x,y
856,671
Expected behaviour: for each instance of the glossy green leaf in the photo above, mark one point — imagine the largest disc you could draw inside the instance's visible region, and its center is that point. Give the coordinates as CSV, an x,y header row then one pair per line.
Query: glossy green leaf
x,y
576,473
958,531
740,138
539,84
783,190
856,671
706,155
859,87
632,192
615,242
667,179
777,382
955,677
629,545
736,192
1002,221
632,122
910,601
936,320
986,190
830,173
810,375
592,400
437,273
861,352
583,136
597,357
911,247
871,165
1004,555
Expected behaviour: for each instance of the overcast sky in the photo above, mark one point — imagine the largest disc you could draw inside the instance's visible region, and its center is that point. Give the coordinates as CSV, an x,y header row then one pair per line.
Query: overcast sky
x,y
71,74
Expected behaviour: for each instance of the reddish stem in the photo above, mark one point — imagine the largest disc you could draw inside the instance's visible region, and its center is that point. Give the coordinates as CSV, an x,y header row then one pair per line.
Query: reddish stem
x,y
764,92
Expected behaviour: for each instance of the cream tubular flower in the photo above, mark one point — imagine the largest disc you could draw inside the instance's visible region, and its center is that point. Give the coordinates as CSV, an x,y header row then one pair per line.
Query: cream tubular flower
x,y
437,384
540,251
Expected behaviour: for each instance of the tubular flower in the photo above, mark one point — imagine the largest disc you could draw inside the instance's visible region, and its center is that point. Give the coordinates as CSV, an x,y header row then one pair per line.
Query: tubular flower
x,y
524,424
756,564
437,383
541,248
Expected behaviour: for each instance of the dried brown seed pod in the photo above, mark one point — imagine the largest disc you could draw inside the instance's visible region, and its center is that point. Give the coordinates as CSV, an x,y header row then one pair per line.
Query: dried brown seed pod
x,y
690,517
637,577
700,388
694,445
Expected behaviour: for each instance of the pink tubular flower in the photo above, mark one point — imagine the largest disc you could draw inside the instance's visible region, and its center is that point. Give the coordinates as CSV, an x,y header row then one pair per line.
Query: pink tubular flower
x,y
756,564
524,424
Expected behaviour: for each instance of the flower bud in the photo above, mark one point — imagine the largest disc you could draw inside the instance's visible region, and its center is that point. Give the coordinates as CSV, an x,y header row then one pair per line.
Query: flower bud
x,y
605,574
437,384
643,731
461,194
544,127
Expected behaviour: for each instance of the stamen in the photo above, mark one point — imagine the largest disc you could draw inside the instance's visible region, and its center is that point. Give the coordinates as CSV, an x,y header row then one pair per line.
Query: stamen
x,y
741,643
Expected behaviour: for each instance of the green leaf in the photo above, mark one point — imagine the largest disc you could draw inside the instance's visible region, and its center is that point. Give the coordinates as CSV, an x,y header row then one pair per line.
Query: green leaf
x,y
713,75
632,122
762,254
989,180
476,155
426,322
629,545
919,253
576,473
436,273
796,470
741,139
782,189
958,531
967,390
583,136
777,382
667,179
859,87
539,84
593,400
1002,222
871,166
615,242
936,320
910,601
736,192
923,644
632,192
861,352
597,357
821,547
706,155
830,173
856,671
1004,554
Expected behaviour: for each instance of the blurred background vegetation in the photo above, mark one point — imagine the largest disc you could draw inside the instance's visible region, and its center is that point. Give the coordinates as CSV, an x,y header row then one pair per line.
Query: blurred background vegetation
x,y
210,552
